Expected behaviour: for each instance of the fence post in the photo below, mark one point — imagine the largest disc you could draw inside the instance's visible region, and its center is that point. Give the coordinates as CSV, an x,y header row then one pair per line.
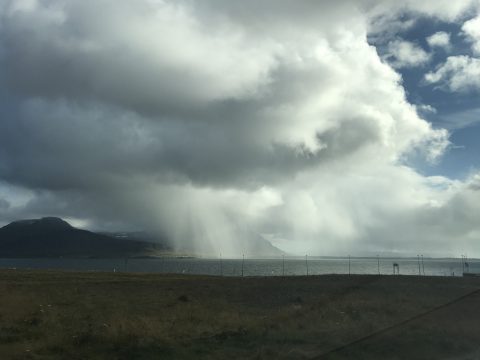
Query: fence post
x,y
423,266
397,267
306,262
243,261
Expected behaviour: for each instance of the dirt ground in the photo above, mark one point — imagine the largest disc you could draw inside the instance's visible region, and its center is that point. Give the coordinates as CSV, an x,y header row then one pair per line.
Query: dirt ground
x,y
67,315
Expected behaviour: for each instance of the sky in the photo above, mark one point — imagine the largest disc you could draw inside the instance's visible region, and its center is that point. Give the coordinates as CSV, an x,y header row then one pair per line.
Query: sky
x,y
326,127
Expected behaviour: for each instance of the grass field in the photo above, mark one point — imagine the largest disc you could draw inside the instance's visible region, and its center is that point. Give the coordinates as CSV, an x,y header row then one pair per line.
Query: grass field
x,y
67,315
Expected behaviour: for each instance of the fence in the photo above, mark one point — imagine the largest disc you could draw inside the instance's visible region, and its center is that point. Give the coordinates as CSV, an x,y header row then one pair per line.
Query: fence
x,y
245,266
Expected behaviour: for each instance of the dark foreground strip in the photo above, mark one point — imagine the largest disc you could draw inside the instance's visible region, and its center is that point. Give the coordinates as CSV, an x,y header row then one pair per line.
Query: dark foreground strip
x,y
389,328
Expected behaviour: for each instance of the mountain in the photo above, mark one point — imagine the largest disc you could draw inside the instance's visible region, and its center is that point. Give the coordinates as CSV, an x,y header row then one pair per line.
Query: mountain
x,y
246,242
259,246
54,237
252,244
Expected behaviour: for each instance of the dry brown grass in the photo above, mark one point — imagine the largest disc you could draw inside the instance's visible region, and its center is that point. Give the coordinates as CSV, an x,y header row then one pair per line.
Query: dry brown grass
x,y
64,315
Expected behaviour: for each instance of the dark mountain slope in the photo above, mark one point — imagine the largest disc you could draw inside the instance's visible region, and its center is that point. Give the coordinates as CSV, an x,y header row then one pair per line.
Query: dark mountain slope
x,y
54,237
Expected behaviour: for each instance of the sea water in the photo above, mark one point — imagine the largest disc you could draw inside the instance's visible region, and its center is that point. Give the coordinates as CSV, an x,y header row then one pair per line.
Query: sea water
x,y
257,267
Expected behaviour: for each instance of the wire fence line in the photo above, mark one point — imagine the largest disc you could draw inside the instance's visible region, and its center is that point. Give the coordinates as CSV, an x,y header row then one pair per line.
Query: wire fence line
x,y
309,265
254,266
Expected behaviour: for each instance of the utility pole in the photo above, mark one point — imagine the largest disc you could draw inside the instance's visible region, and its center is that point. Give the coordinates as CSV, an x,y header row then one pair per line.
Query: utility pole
x,y
378,264
283,264
349,273
418,258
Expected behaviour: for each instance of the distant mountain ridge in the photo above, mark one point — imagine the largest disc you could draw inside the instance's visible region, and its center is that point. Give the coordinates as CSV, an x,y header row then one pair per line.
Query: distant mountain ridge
x,y
54,237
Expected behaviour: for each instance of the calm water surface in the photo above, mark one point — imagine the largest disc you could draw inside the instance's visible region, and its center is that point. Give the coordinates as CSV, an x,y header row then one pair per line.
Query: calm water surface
x,y
255,267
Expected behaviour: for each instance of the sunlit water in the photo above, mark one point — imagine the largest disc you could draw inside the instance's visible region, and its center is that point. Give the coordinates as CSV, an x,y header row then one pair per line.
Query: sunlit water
x,y
256,267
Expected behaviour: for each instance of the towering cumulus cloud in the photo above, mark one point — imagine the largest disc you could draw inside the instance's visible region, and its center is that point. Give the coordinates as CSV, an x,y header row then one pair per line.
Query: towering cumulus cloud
x,y
213,120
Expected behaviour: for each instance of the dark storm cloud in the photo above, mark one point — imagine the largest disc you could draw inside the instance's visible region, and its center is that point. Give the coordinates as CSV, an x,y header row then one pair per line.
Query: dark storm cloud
x,y
4,204
63,146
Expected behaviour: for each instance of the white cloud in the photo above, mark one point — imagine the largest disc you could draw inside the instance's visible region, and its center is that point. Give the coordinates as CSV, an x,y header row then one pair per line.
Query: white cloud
x,y
405,54
439,39
458,73
426,109
471,29
150,53
419,215
445,10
